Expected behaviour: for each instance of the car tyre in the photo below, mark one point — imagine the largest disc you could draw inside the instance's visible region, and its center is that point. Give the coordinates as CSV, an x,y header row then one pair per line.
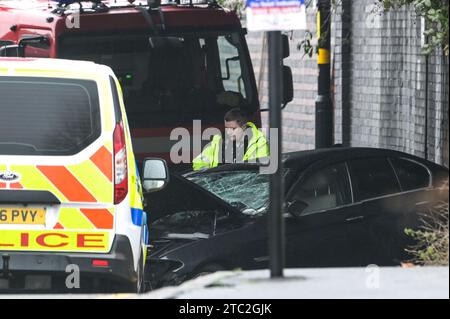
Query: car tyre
x,y
207,270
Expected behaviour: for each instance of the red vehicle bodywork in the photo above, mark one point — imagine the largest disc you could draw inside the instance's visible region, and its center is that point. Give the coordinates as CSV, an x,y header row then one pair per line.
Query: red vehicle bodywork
x,y
19,19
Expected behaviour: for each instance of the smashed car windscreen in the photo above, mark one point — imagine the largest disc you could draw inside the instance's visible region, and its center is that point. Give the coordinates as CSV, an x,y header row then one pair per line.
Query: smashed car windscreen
x,y
246,190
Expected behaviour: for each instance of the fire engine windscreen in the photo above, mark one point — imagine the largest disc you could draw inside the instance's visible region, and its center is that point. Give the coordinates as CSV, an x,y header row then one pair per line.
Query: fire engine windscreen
x,y
174,79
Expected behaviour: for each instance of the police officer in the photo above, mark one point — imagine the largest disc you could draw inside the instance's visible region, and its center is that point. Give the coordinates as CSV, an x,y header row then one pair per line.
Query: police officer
x,y
243,143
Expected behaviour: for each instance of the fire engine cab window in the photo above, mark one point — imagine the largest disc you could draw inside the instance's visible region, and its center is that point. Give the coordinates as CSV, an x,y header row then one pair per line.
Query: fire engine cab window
x,y
230,64
47,116
174,79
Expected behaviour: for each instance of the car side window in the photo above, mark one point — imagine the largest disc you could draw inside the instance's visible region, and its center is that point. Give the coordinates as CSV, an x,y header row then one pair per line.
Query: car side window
x,y
372,177
327,188
411,175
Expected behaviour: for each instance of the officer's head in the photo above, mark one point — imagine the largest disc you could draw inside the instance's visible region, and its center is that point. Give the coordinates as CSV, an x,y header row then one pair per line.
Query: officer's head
x,y
235,124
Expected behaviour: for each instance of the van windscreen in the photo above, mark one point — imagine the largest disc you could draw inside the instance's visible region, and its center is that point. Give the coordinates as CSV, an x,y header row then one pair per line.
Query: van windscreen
x,y
47,116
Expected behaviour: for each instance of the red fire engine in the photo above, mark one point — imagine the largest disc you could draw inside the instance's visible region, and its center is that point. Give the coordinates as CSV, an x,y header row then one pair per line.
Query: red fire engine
x,y
177,61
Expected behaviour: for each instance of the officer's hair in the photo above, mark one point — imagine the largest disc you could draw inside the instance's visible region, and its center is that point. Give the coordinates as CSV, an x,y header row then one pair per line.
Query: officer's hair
x,y
237,115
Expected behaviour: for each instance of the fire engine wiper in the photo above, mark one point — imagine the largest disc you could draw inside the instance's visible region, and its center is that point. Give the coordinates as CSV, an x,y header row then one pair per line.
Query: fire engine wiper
x,y
153,5
161,16
156,4
146,14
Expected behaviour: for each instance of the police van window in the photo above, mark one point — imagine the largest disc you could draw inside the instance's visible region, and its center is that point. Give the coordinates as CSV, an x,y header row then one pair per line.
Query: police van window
x,y
48,116
372,177
327,188
411,175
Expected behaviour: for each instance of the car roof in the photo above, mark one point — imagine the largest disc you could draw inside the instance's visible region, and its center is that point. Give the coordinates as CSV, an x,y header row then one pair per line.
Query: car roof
x,y
302,159
9,65
306,158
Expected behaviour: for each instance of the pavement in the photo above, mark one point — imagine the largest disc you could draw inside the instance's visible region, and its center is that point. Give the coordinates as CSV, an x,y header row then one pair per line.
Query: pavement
x,y
326,283
332,283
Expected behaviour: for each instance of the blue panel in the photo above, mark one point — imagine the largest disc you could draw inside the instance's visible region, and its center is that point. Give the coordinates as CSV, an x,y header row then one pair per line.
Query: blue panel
x,y
137,216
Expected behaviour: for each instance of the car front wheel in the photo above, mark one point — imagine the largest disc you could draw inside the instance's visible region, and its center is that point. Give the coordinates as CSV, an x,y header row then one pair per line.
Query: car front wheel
x,y
206,270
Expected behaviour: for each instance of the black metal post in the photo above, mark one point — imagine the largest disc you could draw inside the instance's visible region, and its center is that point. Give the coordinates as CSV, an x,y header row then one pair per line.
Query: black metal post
x,y
324,110
276,221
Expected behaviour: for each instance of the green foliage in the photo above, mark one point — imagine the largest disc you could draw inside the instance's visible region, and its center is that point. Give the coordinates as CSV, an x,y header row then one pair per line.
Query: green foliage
x,y
306,45
235,5
435,13
436,17
432,238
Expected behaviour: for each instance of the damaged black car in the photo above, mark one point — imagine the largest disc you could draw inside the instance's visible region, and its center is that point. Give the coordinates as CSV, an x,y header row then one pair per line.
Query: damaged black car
x,y
345,207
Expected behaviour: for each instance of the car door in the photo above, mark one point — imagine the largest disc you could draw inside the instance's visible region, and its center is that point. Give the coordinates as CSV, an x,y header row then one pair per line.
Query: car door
x,y
417,199
317,230
416,182
386,210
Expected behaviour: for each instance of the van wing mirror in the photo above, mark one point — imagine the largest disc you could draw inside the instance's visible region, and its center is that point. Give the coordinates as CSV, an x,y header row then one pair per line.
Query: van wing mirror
x,y
156,175
13,50
288,83
285,43
41,40
288,86
36,46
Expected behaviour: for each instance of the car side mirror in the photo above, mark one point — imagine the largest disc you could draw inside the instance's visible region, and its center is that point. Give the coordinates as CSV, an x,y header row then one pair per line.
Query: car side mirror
x,y
156,175
297,207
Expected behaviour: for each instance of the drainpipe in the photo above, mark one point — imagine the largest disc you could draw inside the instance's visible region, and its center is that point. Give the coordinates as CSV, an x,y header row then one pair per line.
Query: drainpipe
x,y
427,62
425,41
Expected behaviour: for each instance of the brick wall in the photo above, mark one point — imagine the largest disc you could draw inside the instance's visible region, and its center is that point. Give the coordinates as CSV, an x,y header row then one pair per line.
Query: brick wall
x,y
378,83
298,117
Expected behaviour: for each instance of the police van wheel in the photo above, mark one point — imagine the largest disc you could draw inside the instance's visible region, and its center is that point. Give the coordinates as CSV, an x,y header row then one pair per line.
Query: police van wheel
x,y
139,287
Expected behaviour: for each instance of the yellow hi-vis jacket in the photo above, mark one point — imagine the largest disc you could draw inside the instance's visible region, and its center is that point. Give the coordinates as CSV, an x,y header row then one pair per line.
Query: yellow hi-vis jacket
x,y
258,147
